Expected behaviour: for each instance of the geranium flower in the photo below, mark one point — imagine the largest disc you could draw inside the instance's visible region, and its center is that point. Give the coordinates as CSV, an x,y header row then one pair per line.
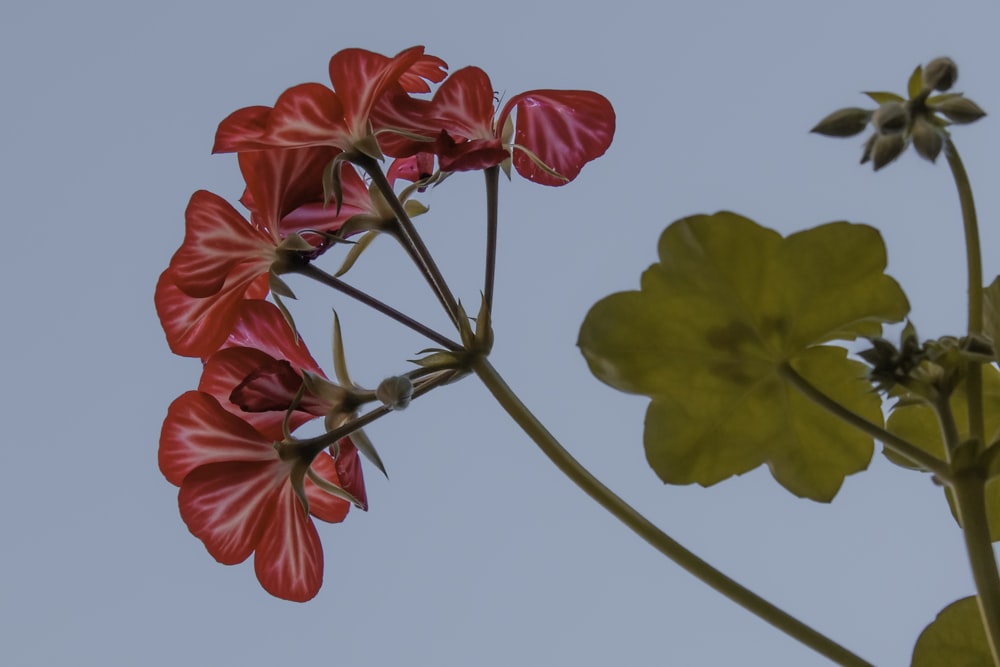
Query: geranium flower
x,y
311,114
257,375
225,258
238,494
548,134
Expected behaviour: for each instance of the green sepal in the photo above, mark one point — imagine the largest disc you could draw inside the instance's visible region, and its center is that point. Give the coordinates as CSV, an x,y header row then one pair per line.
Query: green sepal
x,y
369,146
332,489
883,97
484,329
943,97
441,360
955,638
355,252
287,314
332,187
279,286
716,321
339,357
365,446
915,85
415,207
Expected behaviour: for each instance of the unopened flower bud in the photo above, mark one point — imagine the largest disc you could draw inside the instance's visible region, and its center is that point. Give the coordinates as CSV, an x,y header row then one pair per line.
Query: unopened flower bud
x,y
887,148
891,117
395,392
960,110
940,74
843,122
926,139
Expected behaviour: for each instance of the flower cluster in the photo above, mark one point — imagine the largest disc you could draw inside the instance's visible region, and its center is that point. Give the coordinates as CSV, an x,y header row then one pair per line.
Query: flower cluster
x,y
898,121
313,168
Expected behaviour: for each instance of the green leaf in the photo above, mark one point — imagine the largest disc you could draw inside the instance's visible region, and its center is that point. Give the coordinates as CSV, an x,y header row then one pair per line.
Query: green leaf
x,y
918,424
727,307
991,314
883,97
956,638
916,83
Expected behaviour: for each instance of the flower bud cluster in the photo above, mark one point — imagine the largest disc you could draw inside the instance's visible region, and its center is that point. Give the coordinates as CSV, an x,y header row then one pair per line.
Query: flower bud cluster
x,y
923,371
921,119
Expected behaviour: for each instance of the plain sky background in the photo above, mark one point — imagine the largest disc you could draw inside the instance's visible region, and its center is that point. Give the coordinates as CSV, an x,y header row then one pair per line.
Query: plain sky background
x,y
476,552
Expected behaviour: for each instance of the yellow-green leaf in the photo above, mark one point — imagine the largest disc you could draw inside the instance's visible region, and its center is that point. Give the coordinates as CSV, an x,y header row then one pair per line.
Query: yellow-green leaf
x,y
956,638
728,305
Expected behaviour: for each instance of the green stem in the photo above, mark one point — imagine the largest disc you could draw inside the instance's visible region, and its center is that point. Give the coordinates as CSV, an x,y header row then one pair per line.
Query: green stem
x,y
974,371
969,494
898,445
649,532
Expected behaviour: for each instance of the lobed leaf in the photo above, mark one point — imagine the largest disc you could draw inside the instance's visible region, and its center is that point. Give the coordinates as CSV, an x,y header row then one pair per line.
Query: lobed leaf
x,y
710,332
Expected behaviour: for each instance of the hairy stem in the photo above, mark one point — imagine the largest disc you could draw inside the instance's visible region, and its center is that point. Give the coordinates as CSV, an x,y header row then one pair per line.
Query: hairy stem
x,y
649,532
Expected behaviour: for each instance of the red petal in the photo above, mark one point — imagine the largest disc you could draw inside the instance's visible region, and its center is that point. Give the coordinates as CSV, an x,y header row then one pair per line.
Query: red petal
x,y
354,200
309,114
225,370
427,68
261,325
269,387
229,505
322,505
289,558
281,180
198,431
361,77
469,155
242,130
197,327
349,471
564,128
216,239
463,105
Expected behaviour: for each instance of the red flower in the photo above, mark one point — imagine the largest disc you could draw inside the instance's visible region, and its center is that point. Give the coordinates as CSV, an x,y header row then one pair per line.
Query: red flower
x,y
238,495
555,132
225,258
311,114
257,374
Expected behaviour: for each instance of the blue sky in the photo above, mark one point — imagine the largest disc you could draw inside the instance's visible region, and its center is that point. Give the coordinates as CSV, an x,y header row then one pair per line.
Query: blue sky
x,y
476,551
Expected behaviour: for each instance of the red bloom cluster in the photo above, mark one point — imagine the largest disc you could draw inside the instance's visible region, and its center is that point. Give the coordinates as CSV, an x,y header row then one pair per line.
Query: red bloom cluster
x,y
245,484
